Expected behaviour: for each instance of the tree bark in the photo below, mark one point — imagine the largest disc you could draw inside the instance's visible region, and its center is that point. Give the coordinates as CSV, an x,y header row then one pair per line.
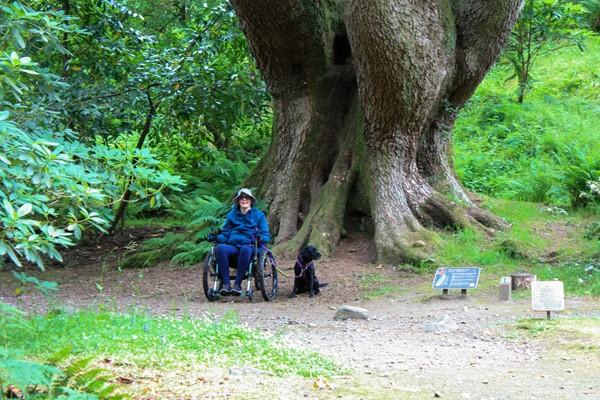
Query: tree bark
x,y
365,95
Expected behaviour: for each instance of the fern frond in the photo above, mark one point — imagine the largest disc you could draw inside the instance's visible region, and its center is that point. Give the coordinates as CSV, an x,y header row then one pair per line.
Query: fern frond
x,y
74,395
60,356
106,391
77,366
191,253
14,320
90,379
10,310
169,239
26,375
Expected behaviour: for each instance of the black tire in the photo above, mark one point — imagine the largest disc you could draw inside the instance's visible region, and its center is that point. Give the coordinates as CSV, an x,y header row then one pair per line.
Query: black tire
x,y
267,277
208,277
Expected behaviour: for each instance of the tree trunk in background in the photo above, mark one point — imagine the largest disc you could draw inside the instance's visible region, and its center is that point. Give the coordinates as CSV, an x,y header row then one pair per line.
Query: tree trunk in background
x,y
366,94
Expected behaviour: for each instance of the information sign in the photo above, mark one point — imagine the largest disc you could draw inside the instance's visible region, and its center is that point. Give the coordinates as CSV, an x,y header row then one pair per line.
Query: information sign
x,y
547,296
456,278
505,280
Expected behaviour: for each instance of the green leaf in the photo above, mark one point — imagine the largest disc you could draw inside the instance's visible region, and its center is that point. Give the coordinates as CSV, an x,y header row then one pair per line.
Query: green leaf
x,y
24,210
8,207
6,249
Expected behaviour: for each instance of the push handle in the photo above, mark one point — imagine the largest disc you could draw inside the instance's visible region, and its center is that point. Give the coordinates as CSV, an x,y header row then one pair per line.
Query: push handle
x,y
212,236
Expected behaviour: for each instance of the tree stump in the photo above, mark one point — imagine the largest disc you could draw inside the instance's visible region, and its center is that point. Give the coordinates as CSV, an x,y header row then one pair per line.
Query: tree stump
x,y
522,281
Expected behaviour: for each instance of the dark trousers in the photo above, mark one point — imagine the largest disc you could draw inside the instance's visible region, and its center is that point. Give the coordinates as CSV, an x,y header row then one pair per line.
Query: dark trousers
x,y
224,252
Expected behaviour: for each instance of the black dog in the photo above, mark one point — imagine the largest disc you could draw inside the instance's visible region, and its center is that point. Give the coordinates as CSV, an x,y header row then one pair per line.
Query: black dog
x,y
304,269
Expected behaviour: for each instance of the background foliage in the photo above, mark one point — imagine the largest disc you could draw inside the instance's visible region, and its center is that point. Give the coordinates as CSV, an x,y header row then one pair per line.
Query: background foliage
x,y
543,150
109,104
115,104
102,107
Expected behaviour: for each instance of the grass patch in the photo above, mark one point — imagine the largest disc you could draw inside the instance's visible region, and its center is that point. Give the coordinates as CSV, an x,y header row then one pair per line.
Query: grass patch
x,y
375,285
547,241
468,248
381,292
167,344
578,279
572,333
516,151
368,280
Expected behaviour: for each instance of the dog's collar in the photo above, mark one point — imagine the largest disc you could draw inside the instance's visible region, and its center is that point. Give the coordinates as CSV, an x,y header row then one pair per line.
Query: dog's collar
x,y
303,267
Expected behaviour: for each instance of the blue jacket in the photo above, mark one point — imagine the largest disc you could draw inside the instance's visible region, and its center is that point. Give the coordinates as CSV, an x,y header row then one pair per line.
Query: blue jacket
x,y
239,228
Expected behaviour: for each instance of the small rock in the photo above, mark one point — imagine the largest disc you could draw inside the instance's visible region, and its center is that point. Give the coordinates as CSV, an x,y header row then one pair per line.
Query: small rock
x,y
350,312
442,324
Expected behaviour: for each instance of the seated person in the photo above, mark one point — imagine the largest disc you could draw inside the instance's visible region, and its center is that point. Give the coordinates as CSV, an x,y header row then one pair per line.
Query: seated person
x,y
236,239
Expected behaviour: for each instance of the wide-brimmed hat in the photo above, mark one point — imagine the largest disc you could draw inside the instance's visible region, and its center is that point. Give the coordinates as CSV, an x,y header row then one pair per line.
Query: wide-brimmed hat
x,y
245,191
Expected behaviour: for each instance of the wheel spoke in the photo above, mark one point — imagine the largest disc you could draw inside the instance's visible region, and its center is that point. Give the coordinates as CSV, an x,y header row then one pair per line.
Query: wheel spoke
x,y
267,276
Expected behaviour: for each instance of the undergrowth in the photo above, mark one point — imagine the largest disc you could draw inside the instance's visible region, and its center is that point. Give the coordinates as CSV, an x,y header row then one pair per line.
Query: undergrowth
x,y
145,342
544,150
53,374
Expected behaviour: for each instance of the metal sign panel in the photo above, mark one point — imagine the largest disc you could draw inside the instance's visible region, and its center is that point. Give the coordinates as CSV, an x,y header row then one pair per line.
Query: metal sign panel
x,y
456,278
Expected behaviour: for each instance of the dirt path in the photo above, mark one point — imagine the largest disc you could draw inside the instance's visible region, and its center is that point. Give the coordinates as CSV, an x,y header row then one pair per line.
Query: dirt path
x,y
392,354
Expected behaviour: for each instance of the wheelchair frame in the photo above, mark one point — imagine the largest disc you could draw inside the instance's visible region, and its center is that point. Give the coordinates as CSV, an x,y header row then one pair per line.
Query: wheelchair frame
x,y
262,270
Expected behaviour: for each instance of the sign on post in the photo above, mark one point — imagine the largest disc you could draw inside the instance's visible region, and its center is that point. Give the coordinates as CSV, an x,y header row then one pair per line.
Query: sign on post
x,y
456,278
547,296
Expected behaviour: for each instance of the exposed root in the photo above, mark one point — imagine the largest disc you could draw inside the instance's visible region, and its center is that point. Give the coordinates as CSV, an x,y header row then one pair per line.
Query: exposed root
x,y
486,218
406,247
438,212
441,213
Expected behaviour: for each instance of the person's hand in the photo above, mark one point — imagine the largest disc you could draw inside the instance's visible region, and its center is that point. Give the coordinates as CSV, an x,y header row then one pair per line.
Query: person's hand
x,y
212,237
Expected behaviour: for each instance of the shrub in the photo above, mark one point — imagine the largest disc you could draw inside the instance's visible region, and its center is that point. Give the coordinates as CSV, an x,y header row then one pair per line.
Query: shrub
x,y
578,169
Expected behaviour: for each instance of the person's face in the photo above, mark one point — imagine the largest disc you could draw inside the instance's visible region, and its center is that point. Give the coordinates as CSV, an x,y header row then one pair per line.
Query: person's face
x,y
245,201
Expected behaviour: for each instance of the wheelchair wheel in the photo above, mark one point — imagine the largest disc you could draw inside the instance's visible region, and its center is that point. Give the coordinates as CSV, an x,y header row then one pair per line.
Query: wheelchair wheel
x,y
209,278
266,277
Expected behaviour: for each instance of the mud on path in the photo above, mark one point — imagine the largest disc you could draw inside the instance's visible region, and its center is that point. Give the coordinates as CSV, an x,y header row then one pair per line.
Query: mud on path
x,y
391,354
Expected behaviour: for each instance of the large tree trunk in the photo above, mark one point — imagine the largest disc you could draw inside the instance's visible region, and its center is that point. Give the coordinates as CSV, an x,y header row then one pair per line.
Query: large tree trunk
x,y
366,94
